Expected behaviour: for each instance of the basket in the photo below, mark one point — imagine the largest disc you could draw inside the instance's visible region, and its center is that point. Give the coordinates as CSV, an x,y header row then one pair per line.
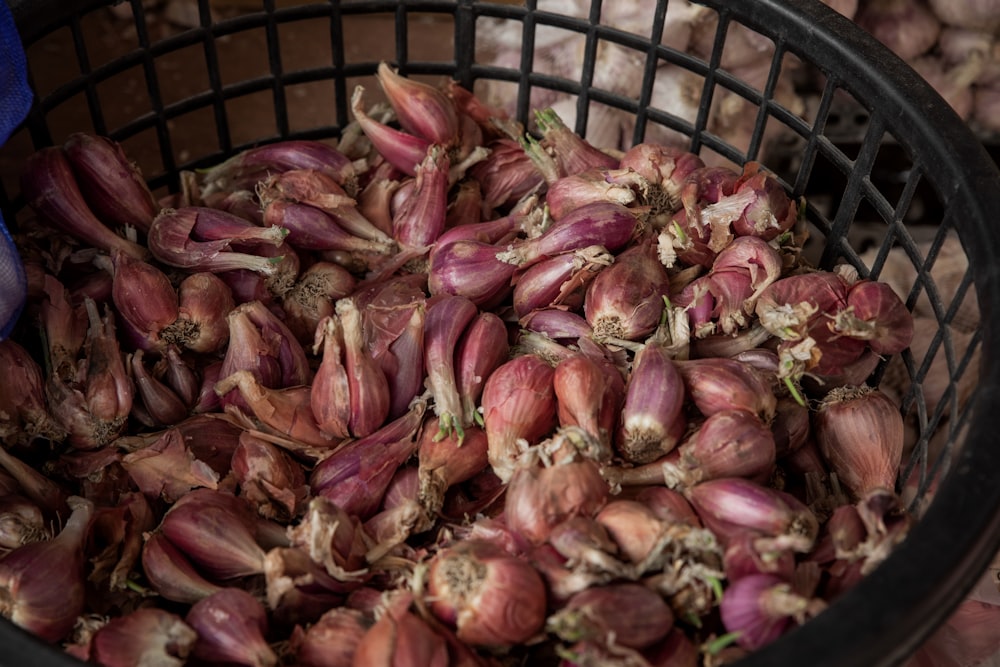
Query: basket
x,y
884,618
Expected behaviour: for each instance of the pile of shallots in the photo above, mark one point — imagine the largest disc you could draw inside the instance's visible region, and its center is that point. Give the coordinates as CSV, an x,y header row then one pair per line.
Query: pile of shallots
x,y
953,44
446,393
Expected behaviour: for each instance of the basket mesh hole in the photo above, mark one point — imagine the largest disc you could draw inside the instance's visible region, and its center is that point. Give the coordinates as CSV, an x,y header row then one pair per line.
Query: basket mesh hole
x,y
744,45
182,73
106,46
674,103
130,97
48,57
606,127
426,50
241,56
846,123
494,36
194,135
558,52
360,47
497,93
618,69
311,105
257,112
290,36
71,116
143,148
896,174
10,166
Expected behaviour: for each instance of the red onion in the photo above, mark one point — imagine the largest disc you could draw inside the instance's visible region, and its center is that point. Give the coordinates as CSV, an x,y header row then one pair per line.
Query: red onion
x,y
23,404
539,497
143,297
421,109
734,504
188,238
401,638
43,583
518,403
232,628
729,443
50,188
762,607
332,640
216,531
445,462
558,280
588,395
623,614
572,152
447,318
596,184
601,223
253,164
145,636
625,300
652,418
111,184
860,432
357,474
471,269
172,574
312,228
419,221
492,599
481,350
716,384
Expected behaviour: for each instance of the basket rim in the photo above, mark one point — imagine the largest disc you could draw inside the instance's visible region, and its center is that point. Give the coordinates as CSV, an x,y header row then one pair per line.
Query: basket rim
x,y
883,618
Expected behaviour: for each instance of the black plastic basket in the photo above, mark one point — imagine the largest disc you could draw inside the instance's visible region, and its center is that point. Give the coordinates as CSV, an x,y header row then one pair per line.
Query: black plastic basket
x,y
884,618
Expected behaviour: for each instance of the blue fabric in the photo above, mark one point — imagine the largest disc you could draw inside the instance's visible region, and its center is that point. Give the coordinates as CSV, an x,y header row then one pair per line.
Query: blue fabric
x,y
15,100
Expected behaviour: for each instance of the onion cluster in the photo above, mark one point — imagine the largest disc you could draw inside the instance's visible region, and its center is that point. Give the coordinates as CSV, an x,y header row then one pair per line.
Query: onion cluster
x,y
436,394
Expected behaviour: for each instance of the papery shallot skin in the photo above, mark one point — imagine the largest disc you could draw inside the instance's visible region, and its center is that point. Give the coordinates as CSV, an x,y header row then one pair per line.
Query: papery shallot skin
x,y
664,168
